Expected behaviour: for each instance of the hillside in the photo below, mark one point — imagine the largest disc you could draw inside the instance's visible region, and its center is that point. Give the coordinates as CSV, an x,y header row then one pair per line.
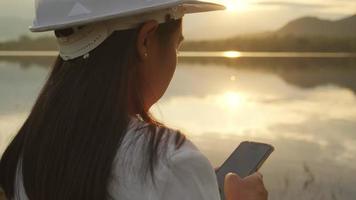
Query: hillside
x,y
312,26
303,34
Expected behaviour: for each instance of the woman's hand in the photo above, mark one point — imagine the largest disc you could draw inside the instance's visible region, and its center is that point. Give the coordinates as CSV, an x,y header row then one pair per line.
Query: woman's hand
x,y
248,188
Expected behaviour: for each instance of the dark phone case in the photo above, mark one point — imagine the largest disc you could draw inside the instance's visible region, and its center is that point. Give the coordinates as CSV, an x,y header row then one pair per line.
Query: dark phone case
x,y
241,149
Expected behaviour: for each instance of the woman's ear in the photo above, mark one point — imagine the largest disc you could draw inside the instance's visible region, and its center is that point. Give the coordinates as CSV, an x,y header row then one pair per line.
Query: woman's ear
x,y
146,37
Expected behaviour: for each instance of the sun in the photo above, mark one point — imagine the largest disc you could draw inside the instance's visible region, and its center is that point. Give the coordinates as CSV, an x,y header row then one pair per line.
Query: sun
x,y
234,5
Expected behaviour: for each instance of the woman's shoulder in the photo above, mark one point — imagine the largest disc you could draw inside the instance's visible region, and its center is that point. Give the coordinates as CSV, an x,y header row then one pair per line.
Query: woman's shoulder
x,y
176,151
172,147
181,165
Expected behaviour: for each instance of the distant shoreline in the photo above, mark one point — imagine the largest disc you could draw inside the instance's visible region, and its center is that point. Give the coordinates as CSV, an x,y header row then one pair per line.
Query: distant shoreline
x,y
210,54
257,43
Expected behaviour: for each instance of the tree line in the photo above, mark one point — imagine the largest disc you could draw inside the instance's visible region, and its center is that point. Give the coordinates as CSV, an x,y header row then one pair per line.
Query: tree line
x,y
268,42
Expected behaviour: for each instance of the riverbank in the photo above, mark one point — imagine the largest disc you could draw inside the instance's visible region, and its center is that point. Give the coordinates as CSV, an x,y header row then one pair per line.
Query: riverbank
x,y
257,43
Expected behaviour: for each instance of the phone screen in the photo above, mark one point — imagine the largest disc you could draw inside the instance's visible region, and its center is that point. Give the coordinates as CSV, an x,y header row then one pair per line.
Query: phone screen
x,y
247,158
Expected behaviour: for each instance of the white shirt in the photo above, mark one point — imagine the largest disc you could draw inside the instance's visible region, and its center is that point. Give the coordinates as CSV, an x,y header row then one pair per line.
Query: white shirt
x,y
182,174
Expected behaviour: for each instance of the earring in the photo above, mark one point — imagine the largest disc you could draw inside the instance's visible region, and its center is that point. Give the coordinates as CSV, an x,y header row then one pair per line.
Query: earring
x,y
146,54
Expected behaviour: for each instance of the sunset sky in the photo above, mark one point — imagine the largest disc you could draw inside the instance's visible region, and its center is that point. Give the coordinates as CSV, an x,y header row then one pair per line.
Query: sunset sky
x,y
242,16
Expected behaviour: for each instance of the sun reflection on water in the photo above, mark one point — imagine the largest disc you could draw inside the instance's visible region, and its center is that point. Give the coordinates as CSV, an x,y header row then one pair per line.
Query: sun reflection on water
x,y
231,54
231,100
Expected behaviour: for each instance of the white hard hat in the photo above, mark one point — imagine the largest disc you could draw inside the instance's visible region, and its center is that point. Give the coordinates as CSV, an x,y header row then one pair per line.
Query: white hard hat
x,y
102,17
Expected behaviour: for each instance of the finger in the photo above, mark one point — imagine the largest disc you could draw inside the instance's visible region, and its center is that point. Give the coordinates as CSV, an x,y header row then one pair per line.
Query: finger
x,y
230,183
233,176
216,169
236,175
254,178
259,175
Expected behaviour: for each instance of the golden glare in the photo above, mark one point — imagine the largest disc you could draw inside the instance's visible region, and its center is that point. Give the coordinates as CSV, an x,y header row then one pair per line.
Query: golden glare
x,y
231,54
234,5
231,100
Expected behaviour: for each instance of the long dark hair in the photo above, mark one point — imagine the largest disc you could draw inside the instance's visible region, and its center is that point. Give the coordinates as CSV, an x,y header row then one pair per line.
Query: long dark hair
x,y
68,143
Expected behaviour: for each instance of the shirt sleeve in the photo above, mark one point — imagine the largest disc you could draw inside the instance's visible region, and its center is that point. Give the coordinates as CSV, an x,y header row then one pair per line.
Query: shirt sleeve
x,y
190,176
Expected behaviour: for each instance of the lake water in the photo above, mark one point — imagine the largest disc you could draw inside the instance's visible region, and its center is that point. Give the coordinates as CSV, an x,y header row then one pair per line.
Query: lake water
x,y
303,105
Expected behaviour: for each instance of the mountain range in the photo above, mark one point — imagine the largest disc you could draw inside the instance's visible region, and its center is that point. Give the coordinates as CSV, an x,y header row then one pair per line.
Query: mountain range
x,y
306,34
312,26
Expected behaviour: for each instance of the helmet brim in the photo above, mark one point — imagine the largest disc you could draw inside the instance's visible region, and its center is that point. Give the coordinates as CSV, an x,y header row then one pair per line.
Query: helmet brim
x,y
189,5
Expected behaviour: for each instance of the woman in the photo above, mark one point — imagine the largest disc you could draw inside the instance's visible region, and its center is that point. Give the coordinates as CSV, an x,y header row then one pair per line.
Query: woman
x,y
90,134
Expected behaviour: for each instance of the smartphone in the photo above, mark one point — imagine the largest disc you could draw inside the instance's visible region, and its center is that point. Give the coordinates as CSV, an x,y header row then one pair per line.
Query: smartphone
x,y
245,160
